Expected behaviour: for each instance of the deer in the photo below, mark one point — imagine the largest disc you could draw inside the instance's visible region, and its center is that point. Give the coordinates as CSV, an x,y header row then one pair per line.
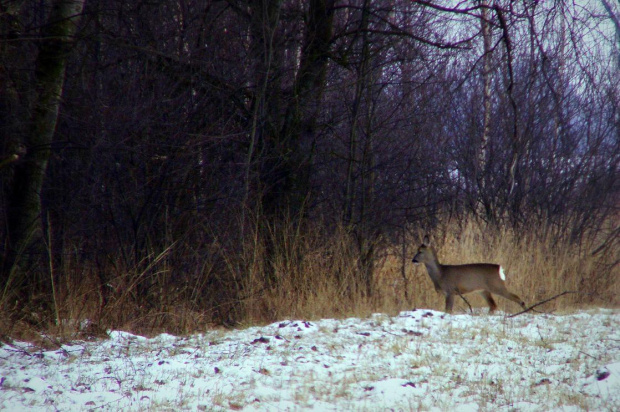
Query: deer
x,y
451,280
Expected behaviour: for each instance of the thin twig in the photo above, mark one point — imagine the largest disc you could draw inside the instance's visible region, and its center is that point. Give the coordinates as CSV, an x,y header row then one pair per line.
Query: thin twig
x,y
566,292
587,354
471,310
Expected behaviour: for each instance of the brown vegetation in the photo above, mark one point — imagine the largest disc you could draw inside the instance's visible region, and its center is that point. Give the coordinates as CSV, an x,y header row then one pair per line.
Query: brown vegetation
x,y
179,164
315,276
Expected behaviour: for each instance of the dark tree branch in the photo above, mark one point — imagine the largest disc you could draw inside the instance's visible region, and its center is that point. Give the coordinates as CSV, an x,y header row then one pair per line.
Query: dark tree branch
x,y
566,292
471,310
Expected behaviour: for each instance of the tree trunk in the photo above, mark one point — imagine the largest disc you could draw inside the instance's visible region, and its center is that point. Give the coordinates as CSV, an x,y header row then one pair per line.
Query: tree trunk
x,y
288,178
24,201
615,18
481,166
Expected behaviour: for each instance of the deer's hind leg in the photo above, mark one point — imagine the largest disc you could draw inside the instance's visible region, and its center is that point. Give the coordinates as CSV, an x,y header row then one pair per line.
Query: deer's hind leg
x,y
514,298
490,301
510,296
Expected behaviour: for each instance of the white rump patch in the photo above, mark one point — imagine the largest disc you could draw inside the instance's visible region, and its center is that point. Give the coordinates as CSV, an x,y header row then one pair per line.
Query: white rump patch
x,y
501,273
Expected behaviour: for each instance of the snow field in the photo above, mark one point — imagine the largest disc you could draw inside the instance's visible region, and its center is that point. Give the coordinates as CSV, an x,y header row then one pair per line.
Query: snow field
x,y
418,359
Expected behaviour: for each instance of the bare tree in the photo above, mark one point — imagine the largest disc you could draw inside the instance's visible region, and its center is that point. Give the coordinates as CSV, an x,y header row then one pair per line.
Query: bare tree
x,y
225,128
24,202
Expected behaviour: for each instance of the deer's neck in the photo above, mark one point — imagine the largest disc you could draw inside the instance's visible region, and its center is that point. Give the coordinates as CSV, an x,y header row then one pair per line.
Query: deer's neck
x,y
434,267
434,270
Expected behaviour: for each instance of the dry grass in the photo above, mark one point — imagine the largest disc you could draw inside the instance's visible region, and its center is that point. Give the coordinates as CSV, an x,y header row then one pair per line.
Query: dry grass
x,y
537,268
325,282
308,275
315,277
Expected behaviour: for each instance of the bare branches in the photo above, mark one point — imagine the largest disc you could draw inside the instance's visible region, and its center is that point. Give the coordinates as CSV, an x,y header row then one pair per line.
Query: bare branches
x,y
456,10
392,29
543,302
200,121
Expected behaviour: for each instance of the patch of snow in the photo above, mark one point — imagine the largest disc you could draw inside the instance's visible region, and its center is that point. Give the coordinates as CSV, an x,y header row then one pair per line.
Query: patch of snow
x,y
419,359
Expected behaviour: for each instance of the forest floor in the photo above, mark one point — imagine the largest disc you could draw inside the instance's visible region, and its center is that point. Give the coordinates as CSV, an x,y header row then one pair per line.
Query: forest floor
x,y
416,360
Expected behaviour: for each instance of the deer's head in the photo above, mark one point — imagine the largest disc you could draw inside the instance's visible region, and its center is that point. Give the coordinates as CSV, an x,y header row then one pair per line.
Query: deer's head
x,y
425,253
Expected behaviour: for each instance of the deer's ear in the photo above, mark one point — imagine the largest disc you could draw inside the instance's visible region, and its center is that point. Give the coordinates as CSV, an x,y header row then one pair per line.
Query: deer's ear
x,y
426,241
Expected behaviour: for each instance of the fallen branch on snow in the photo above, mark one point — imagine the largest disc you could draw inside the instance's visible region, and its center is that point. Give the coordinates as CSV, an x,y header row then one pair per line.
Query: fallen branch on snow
x,y
566,292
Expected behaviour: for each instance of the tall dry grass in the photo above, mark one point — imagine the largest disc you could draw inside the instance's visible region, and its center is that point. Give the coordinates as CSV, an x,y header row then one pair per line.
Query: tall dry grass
x,y
309,273
538,267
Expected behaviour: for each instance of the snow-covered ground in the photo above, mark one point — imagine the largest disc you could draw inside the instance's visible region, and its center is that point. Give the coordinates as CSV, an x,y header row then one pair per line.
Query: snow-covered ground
x,y
420,359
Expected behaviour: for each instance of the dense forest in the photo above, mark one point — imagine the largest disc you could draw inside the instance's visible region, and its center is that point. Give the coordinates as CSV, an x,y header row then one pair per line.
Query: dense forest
x,y
171,157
